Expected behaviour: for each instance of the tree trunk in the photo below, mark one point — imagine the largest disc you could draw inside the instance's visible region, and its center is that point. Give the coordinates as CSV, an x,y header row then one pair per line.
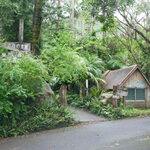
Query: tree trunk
x,y
63,95
72,17
36,28
58,21
81,91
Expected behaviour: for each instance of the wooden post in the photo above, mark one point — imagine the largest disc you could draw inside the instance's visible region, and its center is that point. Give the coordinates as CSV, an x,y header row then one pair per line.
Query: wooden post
x,y
115,101
87,86
81,91
21,30
123,100
63,95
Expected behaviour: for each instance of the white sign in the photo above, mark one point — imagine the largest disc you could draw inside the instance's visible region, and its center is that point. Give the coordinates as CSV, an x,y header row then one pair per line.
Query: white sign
x,y
122,92
18,46
115,97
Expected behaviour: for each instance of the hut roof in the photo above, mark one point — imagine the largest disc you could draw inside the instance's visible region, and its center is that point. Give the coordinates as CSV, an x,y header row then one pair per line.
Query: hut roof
x,y
117,77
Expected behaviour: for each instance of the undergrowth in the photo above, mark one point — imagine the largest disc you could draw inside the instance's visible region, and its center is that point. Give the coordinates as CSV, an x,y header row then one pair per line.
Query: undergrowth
x,y
95,106
40,118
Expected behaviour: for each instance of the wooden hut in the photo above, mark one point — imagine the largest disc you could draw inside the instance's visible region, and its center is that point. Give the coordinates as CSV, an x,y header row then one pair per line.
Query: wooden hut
x,y
135,81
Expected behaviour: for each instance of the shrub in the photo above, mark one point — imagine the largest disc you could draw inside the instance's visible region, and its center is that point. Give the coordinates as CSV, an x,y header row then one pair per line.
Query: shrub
x,y
96,106
41,118
20,84
21,79
76,101
134,112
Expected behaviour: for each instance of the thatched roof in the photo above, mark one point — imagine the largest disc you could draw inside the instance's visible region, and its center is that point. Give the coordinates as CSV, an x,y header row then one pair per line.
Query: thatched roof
x,y
117,77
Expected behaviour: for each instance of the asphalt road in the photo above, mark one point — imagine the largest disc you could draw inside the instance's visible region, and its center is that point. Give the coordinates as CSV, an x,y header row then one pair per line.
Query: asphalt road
x,y
131,134
84,116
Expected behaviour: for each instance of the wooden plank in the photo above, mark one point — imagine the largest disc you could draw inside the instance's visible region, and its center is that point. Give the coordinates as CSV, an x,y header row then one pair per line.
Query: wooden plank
x,y
16,46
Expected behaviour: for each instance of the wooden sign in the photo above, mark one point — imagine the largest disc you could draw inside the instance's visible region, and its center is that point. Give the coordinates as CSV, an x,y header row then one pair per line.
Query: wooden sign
x,y
16,46
122,92
115,97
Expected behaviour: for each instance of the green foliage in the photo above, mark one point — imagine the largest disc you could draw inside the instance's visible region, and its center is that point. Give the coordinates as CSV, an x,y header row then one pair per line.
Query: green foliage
x,y
96,91
114,64
68,58
22,78
104,11
95,66
51,14
63,62
134,112
21,112
76,101
20,86
11,12
107,51
96,106
42,117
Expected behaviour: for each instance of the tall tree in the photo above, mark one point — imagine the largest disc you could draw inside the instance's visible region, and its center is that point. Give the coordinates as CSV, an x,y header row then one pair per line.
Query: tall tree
x,y
134,32
36,28
10,13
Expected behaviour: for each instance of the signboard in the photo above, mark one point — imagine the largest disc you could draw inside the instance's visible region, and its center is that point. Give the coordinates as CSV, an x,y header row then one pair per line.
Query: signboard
x,y
122,92
16,46
115,97
140,84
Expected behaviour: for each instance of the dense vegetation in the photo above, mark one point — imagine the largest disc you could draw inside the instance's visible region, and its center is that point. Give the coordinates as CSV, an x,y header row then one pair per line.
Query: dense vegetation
x,y
72,41
94,105
22,108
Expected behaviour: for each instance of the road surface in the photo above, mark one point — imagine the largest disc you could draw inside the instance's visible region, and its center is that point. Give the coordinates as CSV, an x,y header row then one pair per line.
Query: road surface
x,y
85,116
130,134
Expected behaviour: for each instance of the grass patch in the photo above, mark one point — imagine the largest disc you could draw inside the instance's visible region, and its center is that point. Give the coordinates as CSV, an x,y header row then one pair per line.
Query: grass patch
x,y
134,112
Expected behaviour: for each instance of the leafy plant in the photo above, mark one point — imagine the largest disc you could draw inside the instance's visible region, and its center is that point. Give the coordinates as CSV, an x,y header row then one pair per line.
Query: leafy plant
x,y
96,106
41,117
20,86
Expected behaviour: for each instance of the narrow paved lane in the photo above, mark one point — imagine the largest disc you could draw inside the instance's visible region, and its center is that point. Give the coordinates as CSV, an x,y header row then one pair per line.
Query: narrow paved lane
x,y
131,134
84,116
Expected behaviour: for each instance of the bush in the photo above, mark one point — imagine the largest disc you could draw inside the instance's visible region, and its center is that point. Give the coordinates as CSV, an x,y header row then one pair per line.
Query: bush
x,y
21,79
96,106
41,118
21,84
76,101
134,112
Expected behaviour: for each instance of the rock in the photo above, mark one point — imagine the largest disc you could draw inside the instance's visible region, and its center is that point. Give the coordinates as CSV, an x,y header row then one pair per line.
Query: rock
x,y
107,98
